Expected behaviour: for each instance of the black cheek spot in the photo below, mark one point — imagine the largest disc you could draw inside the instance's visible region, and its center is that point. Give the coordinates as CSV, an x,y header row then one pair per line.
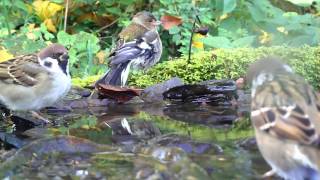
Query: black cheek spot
x,y
298,109
271,116
48,64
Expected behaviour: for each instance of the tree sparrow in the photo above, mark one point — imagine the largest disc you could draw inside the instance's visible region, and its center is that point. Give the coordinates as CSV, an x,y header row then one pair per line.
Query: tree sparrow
x,y
34,81
285,113
139,45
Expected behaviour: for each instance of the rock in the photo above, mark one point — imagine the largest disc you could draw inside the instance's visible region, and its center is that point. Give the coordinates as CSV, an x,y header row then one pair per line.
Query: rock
x,y
154,93
213,92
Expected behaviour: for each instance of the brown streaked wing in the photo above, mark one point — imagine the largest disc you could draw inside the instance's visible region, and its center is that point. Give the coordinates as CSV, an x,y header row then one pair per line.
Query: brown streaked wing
x,y
290,125
20,70
281,108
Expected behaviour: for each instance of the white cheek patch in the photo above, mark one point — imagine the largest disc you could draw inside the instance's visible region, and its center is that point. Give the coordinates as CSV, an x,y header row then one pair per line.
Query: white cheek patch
x,y
54,67
144,45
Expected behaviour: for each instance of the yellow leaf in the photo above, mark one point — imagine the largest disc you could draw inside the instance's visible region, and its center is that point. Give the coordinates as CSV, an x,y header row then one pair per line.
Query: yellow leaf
x,y
282,30
46,9
101,55
50,25
224,16
265,37
196,41
4,55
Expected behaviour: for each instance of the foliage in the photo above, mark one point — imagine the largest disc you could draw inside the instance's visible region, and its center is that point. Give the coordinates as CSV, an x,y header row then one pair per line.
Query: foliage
x,y
28,25
227,63
85,82
82,49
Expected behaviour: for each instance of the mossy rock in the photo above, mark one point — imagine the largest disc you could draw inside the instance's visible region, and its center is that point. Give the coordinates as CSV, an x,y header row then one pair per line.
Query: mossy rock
x,y
230,64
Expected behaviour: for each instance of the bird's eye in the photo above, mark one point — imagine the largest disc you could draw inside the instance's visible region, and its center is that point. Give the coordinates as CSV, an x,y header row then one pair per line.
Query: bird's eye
x,y
48,64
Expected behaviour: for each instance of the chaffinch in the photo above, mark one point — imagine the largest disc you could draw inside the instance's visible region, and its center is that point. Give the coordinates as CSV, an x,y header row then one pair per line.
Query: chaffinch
x,y
34,81
138,45
285,113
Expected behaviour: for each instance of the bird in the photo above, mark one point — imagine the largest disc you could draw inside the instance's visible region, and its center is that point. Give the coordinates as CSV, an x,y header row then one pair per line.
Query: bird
x,y
34,81
138,46
285,113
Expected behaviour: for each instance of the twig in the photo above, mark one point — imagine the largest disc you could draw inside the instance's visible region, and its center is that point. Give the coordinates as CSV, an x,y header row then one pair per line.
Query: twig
x,y
192,32
190,43
108,25
66,16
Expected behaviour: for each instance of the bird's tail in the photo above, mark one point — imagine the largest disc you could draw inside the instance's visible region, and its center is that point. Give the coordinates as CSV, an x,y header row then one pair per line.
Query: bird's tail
x,y
113,76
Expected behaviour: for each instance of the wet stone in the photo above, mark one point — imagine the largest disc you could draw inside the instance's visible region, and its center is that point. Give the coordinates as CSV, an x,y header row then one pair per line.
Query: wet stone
x,y
213,92
154,94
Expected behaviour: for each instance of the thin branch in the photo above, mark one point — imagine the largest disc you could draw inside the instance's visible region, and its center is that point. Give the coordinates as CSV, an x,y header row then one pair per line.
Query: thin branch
x,y
192,32
66,16
108,25
190,43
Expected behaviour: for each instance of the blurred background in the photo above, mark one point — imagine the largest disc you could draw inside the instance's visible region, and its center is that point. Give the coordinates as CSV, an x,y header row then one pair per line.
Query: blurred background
x,y
89,27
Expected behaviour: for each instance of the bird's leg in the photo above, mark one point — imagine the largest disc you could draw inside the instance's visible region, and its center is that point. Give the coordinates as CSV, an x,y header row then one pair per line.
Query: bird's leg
x,y
269,174
38,116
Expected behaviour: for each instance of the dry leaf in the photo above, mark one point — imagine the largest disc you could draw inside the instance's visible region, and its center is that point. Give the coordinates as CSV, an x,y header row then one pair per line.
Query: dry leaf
x,y
120,94
170,21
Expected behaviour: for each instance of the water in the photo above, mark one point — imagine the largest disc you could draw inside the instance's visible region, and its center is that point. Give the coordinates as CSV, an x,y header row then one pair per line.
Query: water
x,y
190,141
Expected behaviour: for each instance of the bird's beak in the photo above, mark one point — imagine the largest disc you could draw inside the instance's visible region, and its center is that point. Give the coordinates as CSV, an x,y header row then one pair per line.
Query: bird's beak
x,y
156,23
64,57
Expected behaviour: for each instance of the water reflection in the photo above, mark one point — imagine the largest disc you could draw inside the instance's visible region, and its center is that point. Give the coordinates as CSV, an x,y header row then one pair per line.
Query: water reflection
x,y
195,140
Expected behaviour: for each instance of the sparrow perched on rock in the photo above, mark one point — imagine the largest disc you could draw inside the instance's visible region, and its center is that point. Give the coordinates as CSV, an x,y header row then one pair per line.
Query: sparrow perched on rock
x,y
34,81
285,113
139,46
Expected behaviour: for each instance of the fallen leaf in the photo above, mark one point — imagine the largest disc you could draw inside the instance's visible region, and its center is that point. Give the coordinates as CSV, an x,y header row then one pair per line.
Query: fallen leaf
x,y
120,94
168,21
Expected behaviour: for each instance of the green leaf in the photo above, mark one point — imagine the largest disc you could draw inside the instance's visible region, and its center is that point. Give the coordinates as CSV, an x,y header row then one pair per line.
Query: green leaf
x,y
217,42
65,38
174,30
229,6
244,42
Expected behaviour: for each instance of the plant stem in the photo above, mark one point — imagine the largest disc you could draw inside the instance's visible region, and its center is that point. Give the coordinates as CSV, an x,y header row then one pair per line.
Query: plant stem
x,y
66,16
190,43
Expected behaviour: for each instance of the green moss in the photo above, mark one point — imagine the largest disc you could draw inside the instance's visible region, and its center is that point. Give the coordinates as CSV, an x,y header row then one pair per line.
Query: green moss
x,y
83,82
230,63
